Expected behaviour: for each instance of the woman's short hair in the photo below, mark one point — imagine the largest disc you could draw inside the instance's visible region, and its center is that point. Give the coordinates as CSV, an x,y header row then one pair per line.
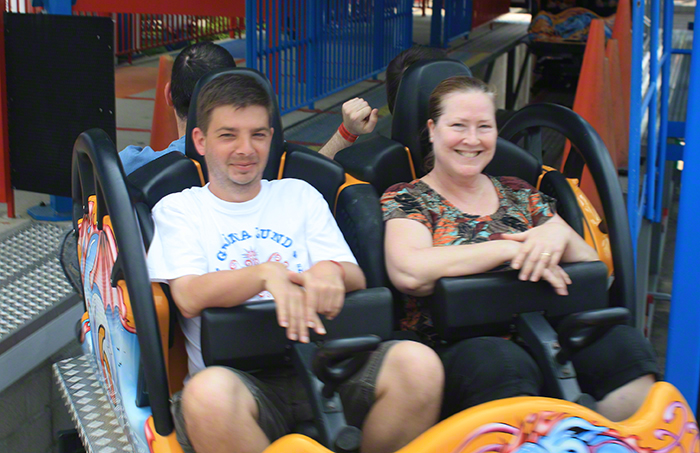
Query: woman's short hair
x,y
455,84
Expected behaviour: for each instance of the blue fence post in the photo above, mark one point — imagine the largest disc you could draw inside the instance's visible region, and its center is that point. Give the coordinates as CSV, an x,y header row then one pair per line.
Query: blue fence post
x,y
251,31
312,66
379,38
665,89
635,137
447,21
457,22
436,24
683,353
652,133
408,38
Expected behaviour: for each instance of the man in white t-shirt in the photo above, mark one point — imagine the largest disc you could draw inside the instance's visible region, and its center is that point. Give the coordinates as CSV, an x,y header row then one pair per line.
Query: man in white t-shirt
x,y
240,239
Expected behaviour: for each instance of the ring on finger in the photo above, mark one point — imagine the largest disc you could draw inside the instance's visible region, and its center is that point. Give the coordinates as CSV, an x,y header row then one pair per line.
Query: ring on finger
x,y
546,254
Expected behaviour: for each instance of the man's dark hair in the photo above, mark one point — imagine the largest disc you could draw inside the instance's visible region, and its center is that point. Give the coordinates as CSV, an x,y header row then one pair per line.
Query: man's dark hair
x,y
394,72
192,63
235,90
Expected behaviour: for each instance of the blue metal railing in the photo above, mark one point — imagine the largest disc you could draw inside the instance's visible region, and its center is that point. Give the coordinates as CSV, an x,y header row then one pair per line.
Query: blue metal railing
x,y
457,22
644,196
312,48
683,353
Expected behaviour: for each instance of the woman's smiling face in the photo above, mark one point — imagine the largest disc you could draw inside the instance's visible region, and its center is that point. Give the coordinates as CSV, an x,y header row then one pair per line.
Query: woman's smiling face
x,y
464,136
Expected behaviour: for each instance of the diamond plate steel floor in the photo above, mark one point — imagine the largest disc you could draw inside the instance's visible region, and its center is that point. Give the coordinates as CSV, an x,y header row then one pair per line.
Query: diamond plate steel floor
x,y
31,279
87,403
38,307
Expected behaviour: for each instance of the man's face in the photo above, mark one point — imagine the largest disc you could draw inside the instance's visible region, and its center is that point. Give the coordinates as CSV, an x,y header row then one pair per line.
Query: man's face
x,y
236,147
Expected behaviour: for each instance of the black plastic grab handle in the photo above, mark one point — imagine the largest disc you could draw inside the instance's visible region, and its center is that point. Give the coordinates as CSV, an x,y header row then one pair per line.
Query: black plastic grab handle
x,y
337,360
579,330
596,156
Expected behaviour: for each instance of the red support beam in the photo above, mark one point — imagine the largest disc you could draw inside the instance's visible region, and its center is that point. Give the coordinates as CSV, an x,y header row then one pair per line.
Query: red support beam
x,y
6,194
484,11
229,8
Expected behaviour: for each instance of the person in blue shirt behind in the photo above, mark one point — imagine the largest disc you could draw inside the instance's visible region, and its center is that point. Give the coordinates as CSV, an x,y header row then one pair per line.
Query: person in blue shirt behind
x,y
192,63
198,59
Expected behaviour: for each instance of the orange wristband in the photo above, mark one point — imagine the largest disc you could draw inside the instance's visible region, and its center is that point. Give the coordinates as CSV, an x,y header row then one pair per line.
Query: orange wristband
x,y
347,136
342,269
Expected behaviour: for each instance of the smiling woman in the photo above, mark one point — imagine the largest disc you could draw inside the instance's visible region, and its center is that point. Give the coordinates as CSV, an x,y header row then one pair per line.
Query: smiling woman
x,y
465,103
457,204
458,221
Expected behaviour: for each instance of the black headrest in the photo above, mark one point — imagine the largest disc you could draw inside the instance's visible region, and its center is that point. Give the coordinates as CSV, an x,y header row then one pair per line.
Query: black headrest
x,y
512,160
411,107
277,145
326,175
379,161
170,173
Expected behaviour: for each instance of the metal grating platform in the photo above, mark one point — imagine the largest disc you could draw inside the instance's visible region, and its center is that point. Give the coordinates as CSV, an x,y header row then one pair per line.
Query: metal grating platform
x,y
31,279
38,307
87,404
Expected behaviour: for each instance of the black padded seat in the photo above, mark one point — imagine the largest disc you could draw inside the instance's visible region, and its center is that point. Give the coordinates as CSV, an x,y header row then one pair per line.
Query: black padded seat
x,y
359,218
383,162
170,173
380,161
408,125
324,174
511,160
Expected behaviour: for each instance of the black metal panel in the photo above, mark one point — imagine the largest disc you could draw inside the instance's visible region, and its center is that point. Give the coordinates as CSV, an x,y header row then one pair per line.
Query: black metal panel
x,y
60,82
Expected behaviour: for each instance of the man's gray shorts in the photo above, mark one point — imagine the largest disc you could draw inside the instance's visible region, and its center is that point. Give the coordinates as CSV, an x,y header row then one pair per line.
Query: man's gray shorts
x,y
282,400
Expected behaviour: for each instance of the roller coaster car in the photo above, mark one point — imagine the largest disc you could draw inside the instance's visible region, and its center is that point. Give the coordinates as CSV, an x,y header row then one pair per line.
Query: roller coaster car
x,y
130,324
131,331
492,309
382,162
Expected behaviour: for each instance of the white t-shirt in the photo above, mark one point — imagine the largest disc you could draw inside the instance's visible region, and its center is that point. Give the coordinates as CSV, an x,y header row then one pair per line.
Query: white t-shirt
x,y
197,232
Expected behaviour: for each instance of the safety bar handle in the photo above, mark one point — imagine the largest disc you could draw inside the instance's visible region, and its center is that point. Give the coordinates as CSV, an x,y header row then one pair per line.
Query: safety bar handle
x,y
579,330
337,360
